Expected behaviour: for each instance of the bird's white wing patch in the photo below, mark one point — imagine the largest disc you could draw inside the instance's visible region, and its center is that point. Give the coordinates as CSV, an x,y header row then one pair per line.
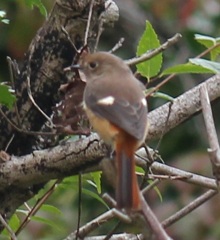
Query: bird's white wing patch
x,y
106,101
144,102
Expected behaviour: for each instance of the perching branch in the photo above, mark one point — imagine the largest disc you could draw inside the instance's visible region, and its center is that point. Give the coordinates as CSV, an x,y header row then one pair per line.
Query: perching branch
x,y
183,107
85,154
54,163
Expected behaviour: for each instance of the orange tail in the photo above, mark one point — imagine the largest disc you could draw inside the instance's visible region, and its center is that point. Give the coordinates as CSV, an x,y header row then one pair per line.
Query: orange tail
x,y
127,191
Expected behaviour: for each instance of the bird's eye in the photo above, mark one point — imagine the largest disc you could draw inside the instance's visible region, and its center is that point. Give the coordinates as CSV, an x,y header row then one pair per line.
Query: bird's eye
x,y
93,65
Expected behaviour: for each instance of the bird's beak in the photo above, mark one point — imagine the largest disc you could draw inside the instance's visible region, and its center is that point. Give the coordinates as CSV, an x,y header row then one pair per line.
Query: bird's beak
x,y
73,67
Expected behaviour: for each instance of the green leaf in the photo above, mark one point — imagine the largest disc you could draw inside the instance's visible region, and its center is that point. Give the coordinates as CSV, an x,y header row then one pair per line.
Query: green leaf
x,y
149,41
156,190
186,68
6,21
213,66
208,42
38,4
97,180
163,96
46,221
139,170
14,223
205,40
94,195
6,97
159,95
70,180
50,208
2,13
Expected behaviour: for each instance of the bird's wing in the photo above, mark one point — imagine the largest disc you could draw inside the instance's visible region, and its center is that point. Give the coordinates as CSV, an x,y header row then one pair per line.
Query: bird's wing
x,y
132,118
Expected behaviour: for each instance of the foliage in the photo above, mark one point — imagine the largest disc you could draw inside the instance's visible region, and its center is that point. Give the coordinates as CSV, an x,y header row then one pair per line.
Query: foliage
x,y
148,42
2,17
6,96
210,43
38,4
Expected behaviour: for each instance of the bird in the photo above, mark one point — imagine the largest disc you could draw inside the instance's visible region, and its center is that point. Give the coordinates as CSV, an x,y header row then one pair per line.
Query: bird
x,y
115,104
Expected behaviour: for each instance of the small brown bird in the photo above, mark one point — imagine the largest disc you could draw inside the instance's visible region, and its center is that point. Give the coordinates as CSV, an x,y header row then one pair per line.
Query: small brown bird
x,y
117,109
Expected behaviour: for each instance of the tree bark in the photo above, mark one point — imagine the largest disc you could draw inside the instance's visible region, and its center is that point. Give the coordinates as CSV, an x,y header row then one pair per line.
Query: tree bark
x,y
42,74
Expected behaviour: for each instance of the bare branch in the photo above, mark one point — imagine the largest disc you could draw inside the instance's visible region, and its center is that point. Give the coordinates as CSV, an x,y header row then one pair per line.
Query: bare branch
x,y
183,107
214,150
117,45
189,208
70,158
5,224
88,23
152,221
172,171
92,225
151,54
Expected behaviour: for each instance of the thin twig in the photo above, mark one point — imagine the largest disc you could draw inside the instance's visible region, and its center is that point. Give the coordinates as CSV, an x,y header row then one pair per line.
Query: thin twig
x,y
109,235
92,225
5,224
208,118
208,50
117,45
119,236
29,87
165,126
152,221
27,206
184,107
148,55
22,130
150,186
37,206
159,85
109,200
9,142
88,22
167,79
111,11
189,208
69,39
168,177
172,171
100,31
79,203
214,150
122,216
11,71
35,104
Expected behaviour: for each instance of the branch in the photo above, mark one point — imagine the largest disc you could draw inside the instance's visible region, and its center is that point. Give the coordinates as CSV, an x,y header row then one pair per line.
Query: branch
x,y
148,55
189,208
37,83
71,157
183,107
84,155
41,75
214,150
181,175
58,162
